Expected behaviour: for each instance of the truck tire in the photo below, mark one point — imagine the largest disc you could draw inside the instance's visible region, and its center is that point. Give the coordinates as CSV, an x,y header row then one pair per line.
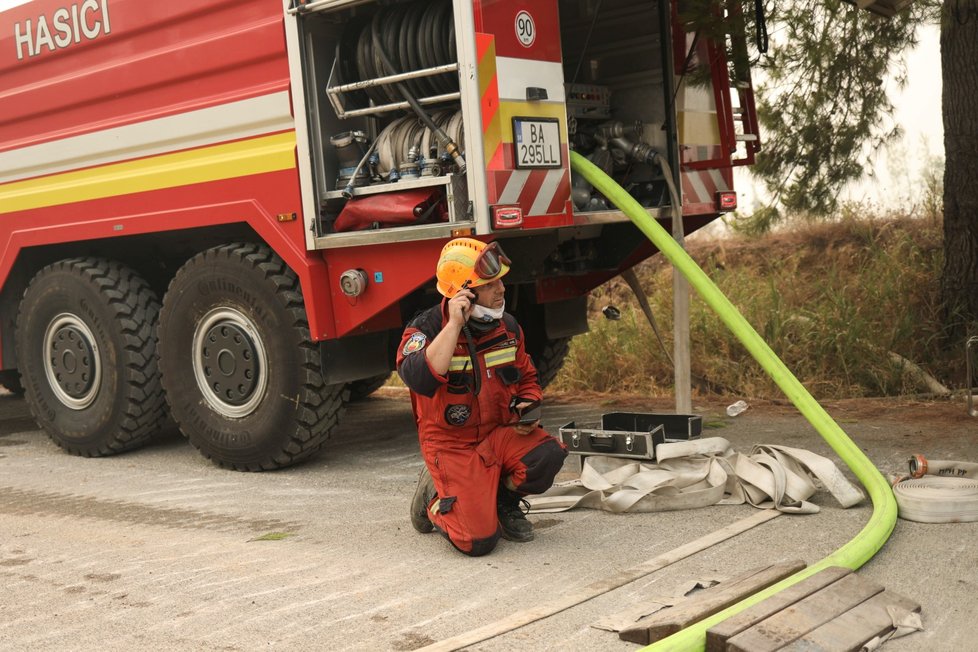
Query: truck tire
x,y
241,372
548,357
10,381
361,389
86,352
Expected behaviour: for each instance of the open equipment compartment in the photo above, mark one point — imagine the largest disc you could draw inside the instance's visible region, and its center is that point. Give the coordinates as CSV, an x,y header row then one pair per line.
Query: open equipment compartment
x,y
599,85
376,164
616,96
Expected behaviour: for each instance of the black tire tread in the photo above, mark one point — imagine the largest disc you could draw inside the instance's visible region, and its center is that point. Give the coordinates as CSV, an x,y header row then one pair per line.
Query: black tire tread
x,y
550,358
361,389
320,407
136,311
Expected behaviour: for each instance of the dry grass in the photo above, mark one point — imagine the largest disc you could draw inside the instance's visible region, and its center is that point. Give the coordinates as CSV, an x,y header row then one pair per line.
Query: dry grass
x,y
831,299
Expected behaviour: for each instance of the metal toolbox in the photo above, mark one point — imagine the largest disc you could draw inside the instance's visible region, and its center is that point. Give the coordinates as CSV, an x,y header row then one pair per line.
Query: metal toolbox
x,y
629,434
678,427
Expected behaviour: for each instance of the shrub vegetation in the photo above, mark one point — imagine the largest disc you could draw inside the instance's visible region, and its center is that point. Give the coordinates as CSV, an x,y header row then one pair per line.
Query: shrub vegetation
x,y
850,306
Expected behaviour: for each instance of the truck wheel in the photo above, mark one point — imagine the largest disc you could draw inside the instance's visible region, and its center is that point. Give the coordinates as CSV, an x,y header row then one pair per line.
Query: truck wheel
x,y
361,389
548,357
241,372
86,351
10,381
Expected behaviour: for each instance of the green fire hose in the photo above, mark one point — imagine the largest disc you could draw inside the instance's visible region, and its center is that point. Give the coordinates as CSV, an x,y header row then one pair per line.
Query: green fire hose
x,y
872,537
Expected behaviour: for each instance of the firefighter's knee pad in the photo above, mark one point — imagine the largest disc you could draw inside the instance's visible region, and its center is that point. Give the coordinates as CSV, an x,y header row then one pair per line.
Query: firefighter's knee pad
x,y
542,465
480,547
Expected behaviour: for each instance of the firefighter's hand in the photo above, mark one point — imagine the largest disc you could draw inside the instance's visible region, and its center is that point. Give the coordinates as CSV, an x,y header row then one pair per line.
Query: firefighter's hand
x,y
459,307
526,428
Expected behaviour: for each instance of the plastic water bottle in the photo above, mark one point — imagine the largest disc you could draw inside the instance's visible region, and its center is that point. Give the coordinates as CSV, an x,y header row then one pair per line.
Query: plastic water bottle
x,y
736,408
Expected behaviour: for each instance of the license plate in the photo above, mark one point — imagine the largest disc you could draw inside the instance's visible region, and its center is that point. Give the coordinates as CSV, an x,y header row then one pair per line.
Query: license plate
x,y
537,142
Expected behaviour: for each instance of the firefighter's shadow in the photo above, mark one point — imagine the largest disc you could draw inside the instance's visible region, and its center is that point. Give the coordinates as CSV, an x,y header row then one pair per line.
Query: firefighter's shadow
x,y
373,424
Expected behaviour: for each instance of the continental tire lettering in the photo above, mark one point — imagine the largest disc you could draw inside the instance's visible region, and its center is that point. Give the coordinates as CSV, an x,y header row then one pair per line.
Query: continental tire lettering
x,y
230,439
225,438
93,320
47,411
84,21
224,288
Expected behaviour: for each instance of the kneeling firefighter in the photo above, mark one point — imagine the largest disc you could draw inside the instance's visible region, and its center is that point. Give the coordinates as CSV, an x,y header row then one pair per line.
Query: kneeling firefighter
x,y
474,392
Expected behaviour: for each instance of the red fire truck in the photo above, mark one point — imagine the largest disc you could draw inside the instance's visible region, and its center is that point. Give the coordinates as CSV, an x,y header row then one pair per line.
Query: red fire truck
x,y
224,213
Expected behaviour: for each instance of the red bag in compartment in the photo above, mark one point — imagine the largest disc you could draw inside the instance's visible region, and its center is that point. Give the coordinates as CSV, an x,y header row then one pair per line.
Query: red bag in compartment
x,y
400,208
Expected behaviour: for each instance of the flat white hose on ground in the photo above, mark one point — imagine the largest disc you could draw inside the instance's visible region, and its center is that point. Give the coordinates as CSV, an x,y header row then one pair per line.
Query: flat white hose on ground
x,y
875,533
699,473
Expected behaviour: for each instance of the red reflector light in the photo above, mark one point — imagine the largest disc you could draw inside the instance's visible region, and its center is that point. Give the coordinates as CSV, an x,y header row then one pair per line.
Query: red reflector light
x,y
727,200
507,217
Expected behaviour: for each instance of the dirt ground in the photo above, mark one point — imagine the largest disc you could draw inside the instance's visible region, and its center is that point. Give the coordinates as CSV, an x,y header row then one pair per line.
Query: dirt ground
x,y
934,420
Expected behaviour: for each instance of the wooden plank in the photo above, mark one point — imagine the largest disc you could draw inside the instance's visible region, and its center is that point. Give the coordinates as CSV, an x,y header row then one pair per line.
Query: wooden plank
x,y
792,623
707,602
717,636
600,587
850,631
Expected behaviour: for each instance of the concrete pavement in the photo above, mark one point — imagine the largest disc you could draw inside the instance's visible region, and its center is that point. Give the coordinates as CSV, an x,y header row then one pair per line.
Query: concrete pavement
x,y
159,549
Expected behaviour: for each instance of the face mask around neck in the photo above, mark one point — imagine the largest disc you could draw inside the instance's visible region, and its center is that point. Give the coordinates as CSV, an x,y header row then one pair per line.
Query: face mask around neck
x,y
483,314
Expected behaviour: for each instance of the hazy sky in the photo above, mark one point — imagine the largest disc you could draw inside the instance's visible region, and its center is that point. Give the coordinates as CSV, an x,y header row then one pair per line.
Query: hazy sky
x,y
9,4
898,171
918,111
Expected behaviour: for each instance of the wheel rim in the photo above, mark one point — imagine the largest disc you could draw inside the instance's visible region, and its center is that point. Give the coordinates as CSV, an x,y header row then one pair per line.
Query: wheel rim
x,y
230,362
71,361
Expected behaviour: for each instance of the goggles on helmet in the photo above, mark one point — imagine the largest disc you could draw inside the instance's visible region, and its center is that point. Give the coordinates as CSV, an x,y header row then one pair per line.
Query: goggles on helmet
x,y
490,261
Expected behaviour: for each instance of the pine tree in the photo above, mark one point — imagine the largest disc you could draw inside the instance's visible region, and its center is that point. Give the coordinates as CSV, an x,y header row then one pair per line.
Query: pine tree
x,y
824,112
959,72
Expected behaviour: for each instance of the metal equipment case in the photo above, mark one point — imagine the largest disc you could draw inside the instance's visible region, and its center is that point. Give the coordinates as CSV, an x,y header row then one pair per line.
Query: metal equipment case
x,y
630,434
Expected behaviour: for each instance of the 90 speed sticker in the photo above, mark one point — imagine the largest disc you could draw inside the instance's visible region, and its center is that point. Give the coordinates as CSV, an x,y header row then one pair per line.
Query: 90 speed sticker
x,y
526,31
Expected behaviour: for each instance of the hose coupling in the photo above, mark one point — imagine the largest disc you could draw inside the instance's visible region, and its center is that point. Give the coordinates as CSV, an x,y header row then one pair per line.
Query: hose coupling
x,y
918,466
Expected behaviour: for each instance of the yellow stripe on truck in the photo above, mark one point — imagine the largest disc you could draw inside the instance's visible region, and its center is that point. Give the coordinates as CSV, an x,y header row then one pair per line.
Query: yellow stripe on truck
x,y
491,130
215,163
698,128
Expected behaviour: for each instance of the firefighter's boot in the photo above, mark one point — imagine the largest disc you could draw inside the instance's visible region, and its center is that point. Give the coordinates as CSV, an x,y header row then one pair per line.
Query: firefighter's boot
x,y
512,517
423,496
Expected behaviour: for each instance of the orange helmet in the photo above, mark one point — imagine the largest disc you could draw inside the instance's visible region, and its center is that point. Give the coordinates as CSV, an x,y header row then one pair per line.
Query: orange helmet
x,y
470,263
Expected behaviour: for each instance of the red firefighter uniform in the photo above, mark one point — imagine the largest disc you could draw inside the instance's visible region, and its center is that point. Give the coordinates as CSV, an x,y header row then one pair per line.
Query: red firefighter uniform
x,y
467,440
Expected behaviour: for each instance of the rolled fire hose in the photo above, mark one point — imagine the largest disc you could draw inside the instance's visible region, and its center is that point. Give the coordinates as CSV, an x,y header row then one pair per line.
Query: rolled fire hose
x,y
938,491
875,533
